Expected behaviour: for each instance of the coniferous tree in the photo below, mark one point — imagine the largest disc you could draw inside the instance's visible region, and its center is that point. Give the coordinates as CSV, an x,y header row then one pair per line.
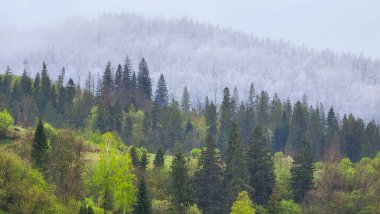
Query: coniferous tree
x,y
144,161
159,159
26,83
119,85
40,147
210,115
161,97
45,87
180,186
298,126
225,121
209,180
332,129
263,110
302,171
185,101
352,137
372,140
134,156
144,84
236,175
143,204
260,167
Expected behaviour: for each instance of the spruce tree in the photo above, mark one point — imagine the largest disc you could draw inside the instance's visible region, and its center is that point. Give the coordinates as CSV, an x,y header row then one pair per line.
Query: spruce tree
x,y
143,204
144,84
40,147
161,97
185,101
144,161
159,159
302,171
45,87
332,128
209,180
26,83
210,115
298,126
225,121
236,175
180,188
260,167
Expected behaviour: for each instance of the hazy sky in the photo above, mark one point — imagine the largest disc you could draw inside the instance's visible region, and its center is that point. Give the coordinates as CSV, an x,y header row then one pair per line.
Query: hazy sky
x,y
342,25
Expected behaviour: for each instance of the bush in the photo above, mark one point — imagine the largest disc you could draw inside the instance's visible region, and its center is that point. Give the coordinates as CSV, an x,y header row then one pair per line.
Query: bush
x,y
6,121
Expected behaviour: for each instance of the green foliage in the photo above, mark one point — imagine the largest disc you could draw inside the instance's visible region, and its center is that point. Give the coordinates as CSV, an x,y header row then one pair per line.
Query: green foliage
x,y
236,175
289,207
260,167
115,176
180,186
143,204
6,121
23,189
160,206
40,148
159,160
302,171
209,180
243,204
195,153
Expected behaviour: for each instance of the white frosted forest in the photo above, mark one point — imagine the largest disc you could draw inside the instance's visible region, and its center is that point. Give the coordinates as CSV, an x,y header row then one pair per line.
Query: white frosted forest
x,y
203,57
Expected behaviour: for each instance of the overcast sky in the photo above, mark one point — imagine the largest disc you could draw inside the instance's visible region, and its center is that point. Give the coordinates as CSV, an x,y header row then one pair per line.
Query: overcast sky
x,y
341,25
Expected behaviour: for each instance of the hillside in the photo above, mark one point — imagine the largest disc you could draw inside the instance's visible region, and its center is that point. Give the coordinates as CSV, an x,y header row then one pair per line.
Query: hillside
x,y
202,56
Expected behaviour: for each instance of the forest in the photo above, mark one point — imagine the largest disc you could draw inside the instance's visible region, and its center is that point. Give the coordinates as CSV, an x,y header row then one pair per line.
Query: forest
x,y
120,143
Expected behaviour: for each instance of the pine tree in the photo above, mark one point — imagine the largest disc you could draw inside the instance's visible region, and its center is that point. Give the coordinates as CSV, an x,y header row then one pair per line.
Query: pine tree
x,y
161,97
143,204
209,180
302,171
45,87
134,156
180,188
260,167
352,137
26,83
263,110
40,147
159,159
372,140
236,175
119,85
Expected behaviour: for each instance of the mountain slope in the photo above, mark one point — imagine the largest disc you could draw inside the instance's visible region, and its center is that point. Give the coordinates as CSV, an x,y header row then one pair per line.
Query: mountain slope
x,y
203,57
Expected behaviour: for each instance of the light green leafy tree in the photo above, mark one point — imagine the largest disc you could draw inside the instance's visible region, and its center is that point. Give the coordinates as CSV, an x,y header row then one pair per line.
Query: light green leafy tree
x,y
115,176
6,121
243,204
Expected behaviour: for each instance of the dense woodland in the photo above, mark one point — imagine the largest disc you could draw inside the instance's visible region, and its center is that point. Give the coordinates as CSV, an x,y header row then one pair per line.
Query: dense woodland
x,y
118,144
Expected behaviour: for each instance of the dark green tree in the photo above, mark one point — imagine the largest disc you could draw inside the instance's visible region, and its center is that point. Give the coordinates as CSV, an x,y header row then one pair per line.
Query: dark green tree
x,y
143,204
236,175
352,137
180,185
40,148
332,129
144,84
225,121
372,140
210,115
260,167
161,97
302,171
298,126
209,180
185,101
159,159
144,161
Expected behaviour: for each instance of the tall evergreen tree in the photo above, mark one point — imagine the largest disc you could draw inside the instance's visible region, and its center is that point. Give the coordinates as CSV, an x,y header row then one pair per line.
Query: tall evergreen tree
x,y
332,129
209,180
210,115
45,87
143,204
26,83
260,167
159,160
225,121
40,147
302,171
185,101
372,140
236,175
161,97
352,137
144,84
298,126
180,186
